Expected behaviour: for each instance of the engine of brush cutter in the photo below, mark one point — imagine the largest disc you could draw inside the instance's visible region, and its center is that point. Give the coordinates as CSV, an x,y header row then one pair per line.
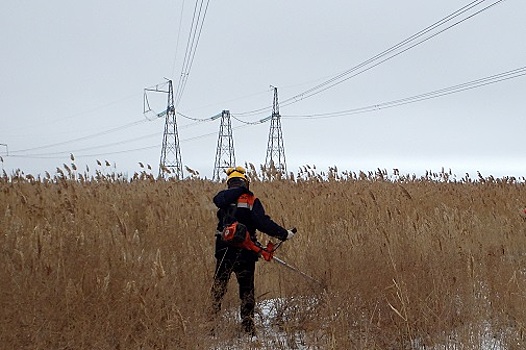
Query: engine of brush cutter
x,y
237,235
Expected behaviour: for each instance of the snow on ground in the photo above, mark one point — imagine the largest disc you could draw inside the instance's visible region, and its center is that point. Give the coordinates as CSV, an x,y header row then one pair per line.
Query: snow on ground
x,y
270,317
272,314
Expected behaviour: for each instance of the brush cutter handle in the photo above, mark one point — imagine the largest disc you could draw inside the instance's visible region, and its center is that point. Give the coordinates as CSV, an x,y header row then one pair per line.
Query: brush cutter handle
x,y
291,233
268,252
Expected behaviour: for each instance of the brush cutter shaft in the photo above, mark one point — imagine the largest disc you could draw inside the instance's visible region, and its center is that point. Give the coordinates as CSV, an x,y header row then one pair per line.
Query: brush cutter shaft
x,y
278,260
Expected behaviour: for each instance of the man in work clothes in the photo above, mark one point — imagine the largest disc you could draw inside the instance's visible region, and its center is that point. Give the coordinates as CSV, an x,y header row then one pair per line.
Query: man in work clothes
x,y
238,203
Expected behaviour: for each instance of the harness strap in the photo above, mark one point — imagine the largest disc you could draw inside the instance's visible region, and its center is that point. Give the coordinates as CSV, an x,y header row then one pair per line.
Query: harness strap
x,y
246,201
244,205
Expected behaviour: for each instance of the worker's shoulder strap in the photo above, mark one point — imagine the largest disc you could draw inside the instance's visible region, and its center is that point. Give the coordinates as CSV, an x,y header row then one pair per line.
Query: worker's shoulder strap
x,y
246,200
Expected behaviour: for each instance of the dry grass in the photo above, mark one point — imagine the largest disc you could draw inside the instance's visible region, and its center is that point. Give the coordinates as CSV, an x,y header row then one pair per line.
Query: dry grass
x,y
98,262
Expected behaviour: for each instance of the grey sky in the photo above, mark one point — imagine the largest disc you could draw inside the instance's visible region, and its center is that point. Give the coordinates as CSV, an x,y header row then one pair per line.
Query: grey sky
x,y
70,70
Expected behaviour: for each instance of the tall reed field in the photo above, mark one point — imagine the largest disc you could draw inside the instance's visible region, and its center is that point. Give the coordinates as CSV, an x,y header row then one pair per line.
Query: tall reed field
x,y
404,262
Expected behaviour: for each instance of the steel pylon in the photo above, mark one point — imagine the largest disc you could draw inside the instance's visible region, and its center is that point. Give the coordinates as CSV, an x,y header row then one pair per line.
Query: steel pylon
x,y
275,157
225,156
170,163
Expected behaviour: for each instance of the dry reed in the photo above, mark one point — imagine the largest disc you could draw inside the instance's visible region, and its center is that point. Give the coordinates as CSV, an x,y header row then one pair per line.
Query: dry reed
x,y
97,261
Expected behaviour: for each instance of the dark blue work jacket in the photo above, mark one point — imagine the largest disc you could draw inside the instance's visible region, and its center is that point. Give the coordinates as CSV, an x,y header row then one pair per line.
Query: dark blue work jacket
x,y
238,203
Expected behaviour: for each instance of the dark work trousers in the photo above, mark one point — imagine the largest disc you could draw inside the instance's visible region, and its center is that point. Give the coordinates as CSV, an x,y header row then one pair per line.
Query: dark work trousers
x,y
244,271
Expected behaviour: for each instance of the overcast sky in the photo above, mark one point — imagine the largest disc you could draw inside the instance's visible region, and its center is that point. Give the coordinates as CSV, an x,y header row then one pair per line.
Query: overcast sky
x,y
72,78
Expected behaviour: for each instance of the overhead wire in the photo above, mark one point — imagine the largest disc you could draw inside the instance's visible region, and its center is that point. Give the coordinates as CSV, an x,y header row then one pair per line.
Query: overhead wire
x,y
19,152
191,46
68,151
178,36
59,155
421,97
199,120
340,78
393,51
117,143
251,123
237,98
122,127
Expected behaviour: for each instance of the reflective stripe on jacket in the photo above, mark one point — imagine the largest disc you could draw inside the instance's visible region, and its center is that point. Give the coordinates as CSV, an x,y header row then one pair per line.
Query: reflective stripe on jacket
x,y
246,200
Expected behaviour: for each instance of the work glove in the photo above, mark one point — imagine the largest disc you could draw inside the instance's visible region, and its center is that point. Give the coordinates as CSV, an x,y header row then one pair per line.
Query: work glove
x,y
291,233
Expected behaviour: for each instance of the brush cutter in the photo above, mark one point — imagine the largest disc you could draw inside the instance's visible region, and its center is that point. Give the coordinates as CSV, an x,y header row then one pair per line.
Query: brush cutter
x,y
240,237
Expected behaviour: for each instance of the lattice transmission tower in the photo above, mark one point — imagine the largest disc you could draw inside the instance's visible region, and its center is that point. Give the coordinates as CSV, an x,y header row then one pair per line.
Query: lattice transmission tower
x,y
170,163
225,156
275,157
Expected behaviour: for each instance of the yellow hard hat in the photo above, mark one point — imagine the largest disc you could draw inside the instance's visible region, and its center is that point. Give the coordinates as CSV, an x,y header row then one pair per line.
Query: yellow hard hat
x,y
237,172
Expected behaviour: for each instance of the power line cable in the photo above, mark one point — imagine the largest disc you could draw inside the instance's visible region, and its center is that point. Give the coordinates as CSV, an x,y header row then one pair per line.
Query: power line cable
x,y
122,127
516,73
394,51
252,123
191,47
97,135
77,156
338,79
178,36
117,143
200,120
58,155
190,39
238,98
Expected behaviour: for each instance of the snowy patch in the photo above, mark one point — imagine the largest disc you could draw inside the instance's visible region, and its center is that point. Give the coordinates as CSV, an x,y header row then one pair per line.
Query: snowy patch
x,y
280,324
